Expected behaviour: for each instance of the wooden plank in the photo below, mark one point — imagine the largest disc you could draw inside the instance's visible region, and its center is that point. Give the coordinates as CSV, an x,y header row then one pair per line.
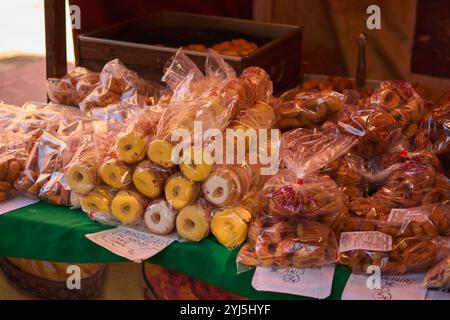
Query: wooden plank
x,y
55,38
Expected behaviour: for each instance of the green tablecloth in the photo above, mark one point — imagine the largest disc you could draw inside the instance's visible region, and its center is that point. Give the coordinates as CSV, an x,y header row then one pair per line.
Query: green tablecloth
x,y
46,232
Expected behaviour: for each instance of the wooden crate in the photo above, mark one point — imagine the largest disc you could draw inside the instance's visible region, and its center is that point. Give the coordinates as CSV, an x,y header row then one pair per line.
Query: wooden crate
x,y
133,42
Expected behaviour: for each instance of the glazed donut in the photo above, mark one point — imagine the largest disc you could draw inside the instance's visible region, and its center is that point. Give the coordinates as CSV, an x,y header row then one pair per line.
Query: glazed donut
x,y
193,222
265,250
221,188
115,174
149,179
229,228
81,178
180,191
389,100
159,217
128,207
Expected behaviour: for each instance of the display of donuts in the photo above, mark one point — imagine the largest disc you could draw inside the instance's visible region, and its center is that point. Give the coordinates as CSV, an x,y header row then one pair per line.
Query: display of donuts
x,y
348,162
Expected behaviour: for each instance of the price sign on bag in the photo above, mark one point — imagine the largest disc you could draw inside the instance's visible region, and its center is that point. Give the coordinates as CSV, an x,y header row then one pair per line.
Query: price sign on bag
x,y
314,282
131,244
365,240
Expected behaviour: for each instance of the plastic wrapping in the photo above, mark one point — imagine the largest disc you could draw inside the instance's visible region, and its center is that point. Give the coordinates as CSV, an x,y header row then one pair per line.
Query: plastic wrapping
x,y
300,243
308,109
117,83
434,132
399,99
73,88
193,221
149,179
160,217
180,191
408,255
439,275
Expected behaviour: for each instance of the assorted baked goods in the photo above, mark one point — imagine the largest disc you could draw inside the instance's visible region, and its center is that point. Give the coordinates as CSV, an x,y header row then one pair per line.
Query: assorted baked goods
x,y
234,47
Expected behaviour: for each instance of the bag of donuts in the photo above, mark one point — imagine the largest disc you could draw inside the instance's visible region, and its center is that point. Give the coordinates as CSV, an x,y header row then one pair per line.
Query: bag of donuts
x,y
401,101
394,255
308,109
299,189
117,83
434,132
439,275
73,88
286,243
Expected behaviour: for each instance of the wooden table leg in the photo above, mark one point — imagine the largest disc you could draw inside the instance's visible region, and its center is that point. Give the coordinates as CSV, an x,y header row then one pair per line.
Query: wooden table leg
x,y
55,38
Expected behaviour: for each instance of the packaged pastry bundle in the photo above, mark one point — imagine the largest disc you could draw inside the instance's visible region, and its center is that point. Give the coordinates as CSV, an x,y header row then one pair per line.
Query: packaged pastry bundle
x,y
434,133
439,275
426,221
399,99
49,155
117,83
230,224
73,88
308,109
288,243
395,255
298,190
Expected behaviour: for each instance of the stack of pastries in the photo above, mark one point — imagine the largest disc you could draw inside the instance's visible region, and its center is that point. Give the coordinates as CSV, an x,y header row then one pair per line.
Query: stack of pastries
x,y
349,162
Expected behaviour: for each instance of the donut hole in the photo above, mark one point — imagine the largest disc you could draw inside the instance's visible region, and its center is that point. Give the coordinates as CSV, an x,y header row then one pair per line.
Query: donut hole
x,y
125,208
93,207
189,225
176,191
218,192
113,176
156,218
78,176
128,147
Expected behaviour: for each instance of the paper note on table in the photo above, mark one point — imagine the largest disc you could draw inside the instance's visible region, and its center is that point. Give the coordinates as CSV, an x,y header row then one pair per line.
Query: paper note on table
x,y
131,244
390,287
438,294
314,282
16,203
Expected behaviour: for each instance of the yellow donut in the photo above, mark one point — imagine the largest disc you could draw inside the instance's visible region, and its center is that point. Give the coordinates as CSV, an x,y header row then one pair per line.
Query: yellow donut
x,y
130,147
193,222
229,228
81,178
180,191
115,174
160,152
221,189
98,200
128,207
193,170
148,180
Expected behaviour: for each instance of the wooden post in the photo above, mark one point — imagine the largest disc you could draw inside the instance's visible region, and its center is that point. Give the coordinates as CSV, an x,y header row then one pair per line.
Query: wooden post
x,y
55,38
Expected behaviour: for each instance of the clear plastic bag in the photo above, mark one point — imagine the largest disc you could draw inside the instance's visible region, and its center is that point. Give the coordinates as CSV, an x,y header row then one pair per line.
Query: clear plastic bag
x,y
439,275
434,131
193,221
292,243
408,255
73,88
117,83
308,109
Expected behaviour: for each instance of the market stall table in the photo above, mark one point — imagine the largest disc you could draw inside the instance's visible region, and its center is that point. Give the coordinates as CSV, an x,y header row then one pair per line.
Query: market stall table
x,y
46,232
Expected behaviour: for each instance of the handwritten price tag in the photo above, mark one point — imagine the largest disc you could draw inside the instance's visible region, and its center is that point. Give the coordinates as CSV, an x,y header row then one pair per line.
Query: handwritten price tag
x,y
131,244
365,240
315,282
391,287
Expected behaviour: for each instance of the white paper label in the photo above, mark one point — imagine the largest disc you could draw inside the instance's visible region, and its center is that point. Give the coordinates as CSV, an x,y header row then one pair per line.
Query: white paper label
x,y
391,287
411,214
315,282
438,294
365,240
131,244
16,203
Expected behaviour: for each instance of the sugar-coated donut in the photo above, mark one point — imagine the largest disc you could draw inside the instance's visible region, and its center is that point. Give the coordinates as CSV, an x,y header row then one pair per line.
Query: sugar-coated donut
x,y
159,217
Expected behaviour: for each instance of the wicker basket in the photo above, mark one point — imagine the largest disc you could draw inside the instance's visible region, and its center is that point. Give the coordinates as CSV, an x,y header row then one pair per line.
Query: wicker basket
x,y
52,290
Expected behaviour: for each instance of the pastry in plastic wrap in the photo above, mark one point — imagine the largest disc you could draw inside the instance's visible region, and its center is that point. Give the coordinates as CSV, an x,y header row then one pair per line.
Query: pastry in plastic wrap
x,y
408,255
193,221
230,226
160,217
308,109
115,174
434,132
128,207
180,191
117,83
196,164
97,201
81,172
300,243
439,275
149,179
73,87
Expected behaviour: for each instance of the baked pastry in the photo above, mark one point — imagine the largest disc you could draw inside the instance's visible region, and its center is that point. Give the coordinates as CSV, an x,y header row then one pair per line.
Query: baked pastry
x,y
229,228
193,221
149,179
97,201
180,191
159,217
115,174
128,207
196,164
